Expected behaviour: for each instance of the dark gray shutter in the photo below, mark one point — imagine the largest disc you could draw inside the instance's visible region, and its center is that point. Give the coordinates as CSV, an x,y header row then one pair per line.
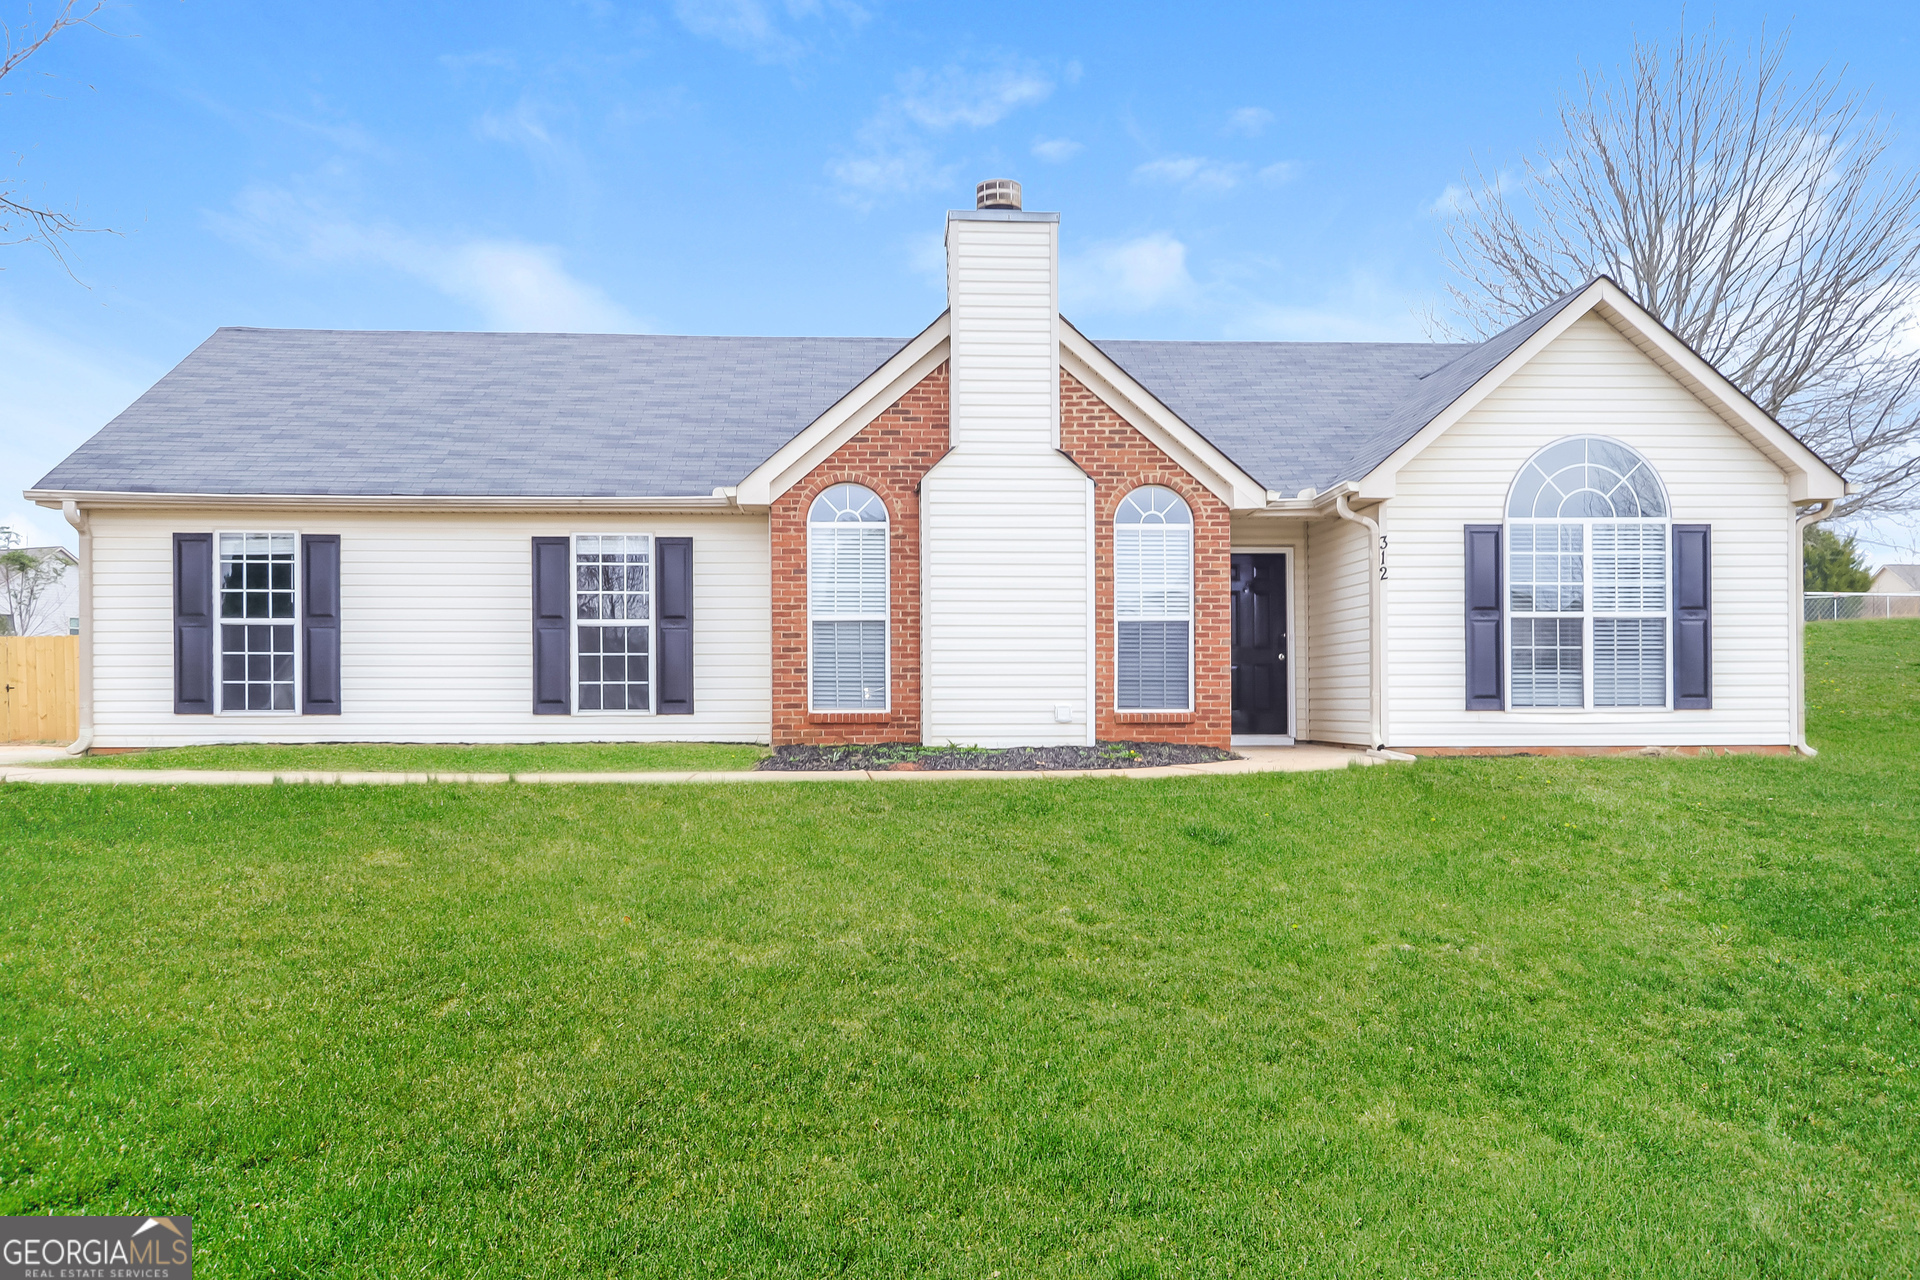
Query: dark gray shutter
x,y
1486,689
674,594
552,592
193,624
320,623
1692,617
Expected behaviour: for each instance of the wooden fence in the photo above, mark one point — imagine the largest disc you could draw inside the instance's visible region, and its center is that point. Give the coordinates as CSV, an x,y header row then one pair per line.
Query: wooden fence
x,y
41,698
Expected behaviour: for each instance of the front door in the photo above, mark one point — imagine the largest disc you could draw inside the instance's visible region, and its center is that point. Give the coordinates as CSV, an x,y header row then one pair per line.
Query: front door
x,y
1260,644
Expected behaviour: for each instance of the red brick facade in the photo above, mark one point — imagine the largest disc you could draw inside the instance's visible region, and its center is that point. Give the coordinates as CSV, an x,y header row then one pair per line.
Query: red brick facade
x,y
888,456
1120,460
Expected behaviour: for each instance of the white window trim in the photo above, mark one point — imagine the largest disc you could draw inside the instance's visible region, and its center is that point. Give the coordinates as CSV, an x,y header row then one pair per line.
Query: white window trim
x,y
885,619
574,621
1586,616
1193,577
219,649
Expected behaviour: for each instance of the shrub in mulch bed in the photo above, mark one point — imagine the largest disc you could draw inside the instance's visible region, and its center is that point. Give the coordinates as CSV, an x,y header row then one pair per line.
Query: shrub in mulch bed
x,y
907,755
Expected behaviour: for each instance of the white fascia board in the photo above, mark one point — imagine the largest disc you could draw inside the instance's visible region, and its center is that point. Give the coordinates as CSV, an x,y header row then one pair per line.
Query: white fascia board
x,y
718,503
846,418
1159,424
1808,478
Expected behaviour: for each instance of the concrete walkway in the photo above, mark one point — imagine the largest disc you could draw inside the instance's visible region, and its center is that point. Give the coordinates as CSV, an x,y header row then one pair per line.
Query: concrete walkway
x,y
16,765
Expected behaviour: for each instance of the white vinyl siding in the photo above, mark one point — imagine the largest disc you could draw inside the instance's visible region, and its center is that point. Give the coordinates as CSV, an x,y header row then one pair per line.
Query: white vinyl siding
x,y
1006,520
444,656
847,600
1337,633
1592,381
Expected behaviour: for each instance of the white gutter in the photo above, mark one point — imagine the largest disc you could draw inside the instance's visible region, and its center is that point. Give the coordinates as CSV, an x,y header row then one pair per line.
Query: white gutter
x,y
79,520
1376,637
1798,666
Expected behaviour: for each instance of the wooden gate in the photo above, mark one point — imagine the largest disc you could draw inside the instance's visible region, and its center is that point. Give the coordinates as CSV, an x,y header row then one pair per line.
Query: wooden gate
x,y
40,701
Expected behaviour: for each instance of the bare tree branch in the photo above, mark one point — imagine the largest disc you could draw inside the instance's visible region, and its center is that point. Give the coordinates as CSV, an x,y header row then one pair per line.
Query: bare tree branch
x,y
1754,217
22,222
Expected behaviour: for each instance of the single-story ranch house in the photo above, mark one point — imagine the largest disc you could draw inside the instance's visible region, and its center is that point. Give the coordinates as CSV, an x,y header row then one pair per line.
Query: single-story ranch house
x,y
1576,534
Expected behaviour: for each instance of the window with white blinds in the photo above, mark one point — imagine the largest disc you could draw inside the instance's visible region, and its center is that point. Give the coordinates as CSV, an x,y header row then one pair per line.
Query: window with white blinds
x,y
1153,601
847,600
1587,579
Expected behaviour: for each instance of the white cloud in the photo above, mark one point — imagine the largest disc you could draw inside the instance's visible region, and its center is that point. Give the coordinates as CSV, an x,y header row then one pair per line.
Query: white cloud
x,y
1279,173
489,59
977,98
1129,276
521,127
1249,122
511,284
1056,150
894,155
770,32
1457,197
1451,201
1192,173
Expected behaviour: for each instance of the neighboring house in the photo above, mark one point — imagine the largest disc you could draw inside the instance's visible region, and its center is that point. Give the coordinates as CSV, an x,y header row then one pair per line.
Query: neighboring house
x,y
1896,579
55,610
1574,535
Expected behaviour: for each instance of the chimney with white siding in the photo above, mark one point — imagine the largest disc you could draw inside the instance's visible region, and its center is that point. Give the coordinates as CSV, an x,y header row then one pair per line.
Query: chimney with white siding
x,y
1006,517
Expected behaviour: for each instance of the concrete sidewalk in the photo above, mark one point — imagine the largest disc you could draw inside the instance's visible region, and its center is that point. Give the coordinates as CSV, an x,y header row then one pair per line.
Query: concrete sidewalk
x,y
1258,760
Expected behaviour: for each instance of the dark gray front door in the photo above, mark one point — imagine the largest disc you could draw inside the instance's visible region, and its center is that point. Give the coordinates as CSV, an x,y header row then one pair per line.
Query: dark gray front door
x,y
1260,644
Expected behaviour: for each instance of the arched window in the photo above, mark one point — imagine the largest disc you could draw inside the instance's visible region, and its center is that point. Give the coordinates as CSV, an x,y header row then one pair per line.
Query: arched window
x,y
1587,539
1153,601
847,600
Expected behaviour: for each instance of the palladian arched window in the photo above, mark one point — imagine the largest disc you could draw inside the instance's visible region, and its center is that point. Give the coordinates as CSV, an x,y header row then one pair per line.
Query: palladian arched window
x,y
1153,601
1587,578
847,600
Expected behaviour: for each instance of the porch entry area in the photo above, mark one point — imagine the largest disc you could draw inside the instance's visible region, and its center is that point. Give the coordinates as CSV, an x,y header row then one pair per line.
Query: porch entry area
x,y
1261,677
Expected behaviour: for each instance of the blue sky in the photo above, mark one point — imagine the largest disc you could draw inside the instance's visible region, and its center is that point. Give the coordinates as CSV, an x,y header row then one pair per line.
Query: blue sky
x,y
773,166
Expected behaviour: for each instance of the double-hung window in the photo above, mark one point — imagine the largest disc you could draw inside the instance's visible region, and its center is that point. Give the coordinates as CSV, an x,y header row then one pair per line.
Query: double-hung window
x,y
847,599
613,621
1587,570
1153,601
257,621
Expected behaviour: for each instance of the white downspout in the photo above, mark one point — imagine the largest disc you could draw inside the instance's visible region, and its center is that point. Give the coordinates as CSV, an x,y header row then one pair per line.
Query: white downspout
x,y
1376,674
80,521
1799,664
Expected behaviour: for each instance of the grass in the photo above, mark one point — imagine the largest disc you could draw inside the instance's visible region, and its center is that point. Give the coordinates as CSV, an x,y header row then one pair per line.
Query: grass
x,y
1529,1017
357,757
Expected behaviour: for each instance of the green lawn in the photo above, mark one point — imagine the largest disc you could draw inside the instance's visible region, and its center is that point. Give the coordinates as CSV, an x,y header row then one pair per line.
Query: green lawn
x,y
540,757
1514,1017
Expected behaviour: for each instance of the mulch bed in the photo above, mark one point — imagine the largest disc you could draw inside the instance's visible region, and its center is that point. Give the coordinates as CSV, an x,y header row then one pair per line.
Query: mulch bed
x,y
903,755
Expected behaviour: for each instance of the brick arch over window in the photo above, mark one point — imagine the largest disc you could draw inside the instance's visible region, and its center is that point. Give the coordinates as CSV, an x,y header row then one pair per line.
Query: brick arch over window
x,y
888,456
1108,448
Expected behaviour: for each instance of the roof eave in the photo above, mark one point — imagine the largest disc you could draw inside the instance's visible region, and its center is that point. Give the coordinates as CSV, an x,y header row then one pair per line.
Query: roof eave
x,y
720,501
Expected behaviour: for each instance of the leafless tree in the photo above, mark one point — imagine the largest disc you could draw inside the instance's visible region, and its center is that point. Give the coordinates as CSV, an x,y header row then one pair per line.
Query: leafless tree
x,y
29,589
1755,216
21,220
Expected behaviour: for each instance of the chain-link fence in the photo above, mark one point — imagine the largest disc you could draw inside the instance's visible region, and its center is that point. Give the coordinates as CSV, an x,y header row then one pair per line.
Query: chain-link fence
x,y
1852,606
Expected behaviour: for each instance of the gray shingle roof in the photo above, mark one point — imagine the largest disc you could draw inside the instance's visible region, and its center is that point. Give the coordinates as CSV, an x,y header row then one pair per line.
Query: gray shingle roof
x,y
297,411
329,412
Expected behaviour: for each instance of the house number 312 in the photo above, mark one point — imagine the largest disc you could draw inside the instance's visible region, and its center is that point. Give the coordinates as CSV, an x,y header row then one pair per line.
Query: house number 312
x,y
1383,557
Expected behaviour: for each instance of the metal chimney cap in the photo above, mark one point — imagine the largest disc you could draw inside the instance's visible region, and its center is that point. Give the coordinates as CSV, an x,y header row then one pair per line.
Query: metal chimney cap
x,y
997,193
